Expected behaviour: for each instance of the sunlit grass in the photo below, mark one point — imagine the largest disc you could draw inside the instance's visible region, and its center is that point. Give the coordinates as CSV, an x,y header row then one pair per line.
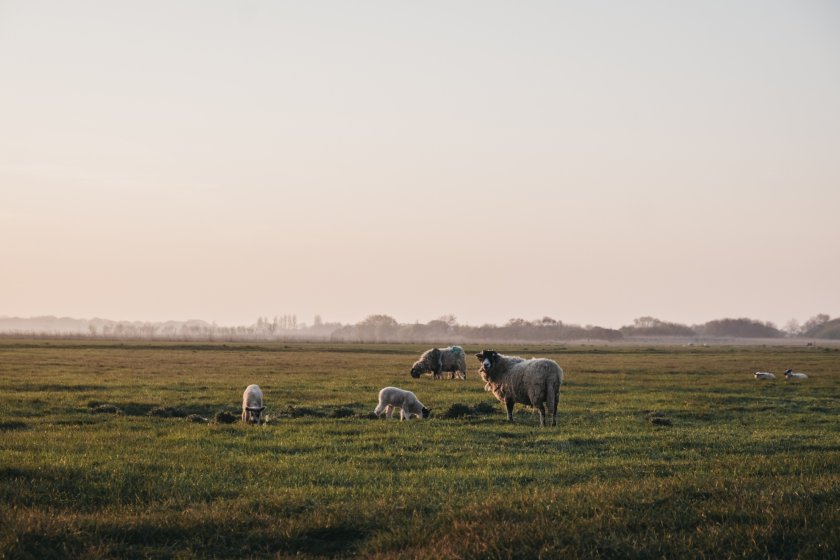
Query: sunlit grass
x,y
746,468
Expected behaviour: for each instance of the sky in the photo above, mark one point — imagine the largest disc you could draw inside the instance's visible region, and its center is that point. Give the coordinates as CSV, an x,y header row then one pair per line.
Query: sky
x,y
590,161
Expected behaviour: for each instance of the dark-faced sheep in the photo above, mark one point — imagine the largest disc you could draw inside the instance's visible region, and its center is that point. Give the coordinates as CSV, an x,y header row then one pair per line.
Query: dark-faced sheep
x,y
252,404
534,382
790,374
406,401
439,360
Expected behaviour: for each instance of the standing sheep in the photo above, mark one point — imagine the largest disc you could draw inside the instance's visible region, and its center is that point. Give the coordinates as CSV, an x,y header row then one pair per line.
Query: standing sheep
x,y
252,404
409,406
438,360
534,382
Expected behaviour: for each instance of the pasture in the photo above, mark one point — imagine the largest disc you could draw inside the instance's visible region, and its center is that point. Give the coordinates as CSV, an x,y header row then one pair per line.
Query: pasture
x,y
746,469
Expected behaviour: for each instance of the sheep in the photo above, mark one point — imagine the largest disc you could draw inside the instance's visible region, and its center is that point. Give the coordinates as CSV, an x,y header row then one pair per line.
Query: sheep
x,y
438,360
789,374
534,382
764,375
390,397
252,404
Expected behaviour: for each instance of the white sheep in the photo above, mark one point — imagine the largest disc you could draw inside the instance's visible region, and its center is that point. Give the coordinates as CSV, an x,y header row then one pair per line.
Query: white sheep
x,y
789,374
534,382
437,360
252,404
409,406
764,375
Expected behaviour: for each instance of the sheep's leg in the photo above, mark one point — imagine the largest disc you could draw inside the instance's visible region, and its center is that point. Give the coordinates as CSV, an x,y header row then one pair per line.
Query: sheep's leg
x,y
403,415
541,409
389,411
551,401
509,407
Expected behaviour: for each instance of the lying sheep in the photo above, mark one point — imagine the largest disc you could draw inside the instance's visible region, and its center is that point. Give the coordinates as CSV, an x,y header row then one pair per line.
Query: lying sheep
x,y
789,374
764,375
252,404
438,360
409,406
534,382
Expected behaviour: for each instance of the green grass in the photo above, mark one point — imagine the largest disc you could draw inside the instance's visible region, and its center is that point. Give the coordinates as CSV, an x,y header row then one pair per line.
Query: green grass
x,y
746,469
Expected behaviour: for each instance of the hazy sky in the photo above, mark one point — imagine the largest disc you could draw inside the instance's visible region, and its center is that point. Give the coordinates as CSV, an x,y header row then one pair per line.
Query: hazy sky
x,y
590,161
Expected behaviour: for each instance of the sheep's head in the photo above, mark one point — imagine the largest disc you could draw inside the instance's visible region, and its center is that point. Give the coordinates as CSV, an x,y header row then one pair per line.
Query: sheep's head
x,y
254,414
488,359
426,412
418,369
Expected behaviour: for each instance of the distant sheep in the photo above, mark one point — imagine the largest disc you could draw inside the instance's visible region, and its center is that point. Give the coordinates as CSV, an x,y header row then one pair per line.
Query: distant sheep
x,y
252,404
789,374
764,375
534,382
409,406
438,360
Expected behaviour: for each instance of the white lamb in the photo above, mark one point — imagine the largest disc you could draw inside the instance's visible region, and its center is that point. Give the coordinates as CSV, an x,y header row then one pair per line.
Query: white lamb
x,y
789,374
252,404
764,375
409,406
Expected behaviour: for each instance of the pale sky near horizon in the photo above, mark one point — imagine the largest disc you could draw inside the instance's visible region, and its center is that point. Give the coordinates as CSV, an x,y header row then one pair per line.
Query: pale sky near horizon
x,y
590,161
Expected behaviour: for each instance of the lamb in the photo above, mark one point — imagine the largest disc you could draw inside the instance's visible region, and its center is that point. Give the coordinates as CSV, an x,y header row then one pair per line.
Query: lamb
x,y
789,374
438,360
252,404
764,375
409,406
534,382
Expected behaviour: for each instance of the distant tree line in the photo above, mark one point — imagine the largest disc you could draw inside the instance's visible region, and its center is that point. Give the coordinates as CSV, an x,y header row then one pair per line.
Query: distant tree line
x,y
446,329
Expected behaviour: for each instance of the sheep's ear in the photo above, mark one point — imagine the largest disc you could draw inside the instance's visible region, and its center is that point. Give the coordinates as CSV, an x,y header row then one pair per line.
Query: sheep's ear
x,y
261,408
480,355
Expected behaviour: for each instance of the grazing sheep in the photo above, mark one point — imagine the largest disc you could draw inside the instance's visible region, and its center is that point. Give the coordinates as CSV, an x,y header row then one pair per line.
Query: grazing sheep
x,y
252,404
534,382
789,374
409,406
438,360
764,375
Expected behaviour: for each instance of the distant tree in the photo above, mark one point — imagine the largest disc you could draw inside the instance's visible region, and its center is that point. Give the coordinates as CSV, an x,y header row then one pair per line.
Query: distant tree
x,y
741,328
449,319
377,328
646,322
651,326
378,321
438,328
814,322
792,328
824,329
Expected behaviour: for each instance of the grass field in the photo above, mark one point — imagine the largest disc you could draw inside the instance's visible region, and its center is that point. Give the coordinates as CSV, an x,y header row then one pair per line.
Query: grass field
x,y
746,469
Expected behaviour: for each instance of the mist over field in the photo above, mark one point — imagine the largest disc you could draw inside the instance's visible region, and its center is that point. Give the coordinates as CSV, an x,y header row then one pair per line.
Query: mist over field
x,y
446,329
